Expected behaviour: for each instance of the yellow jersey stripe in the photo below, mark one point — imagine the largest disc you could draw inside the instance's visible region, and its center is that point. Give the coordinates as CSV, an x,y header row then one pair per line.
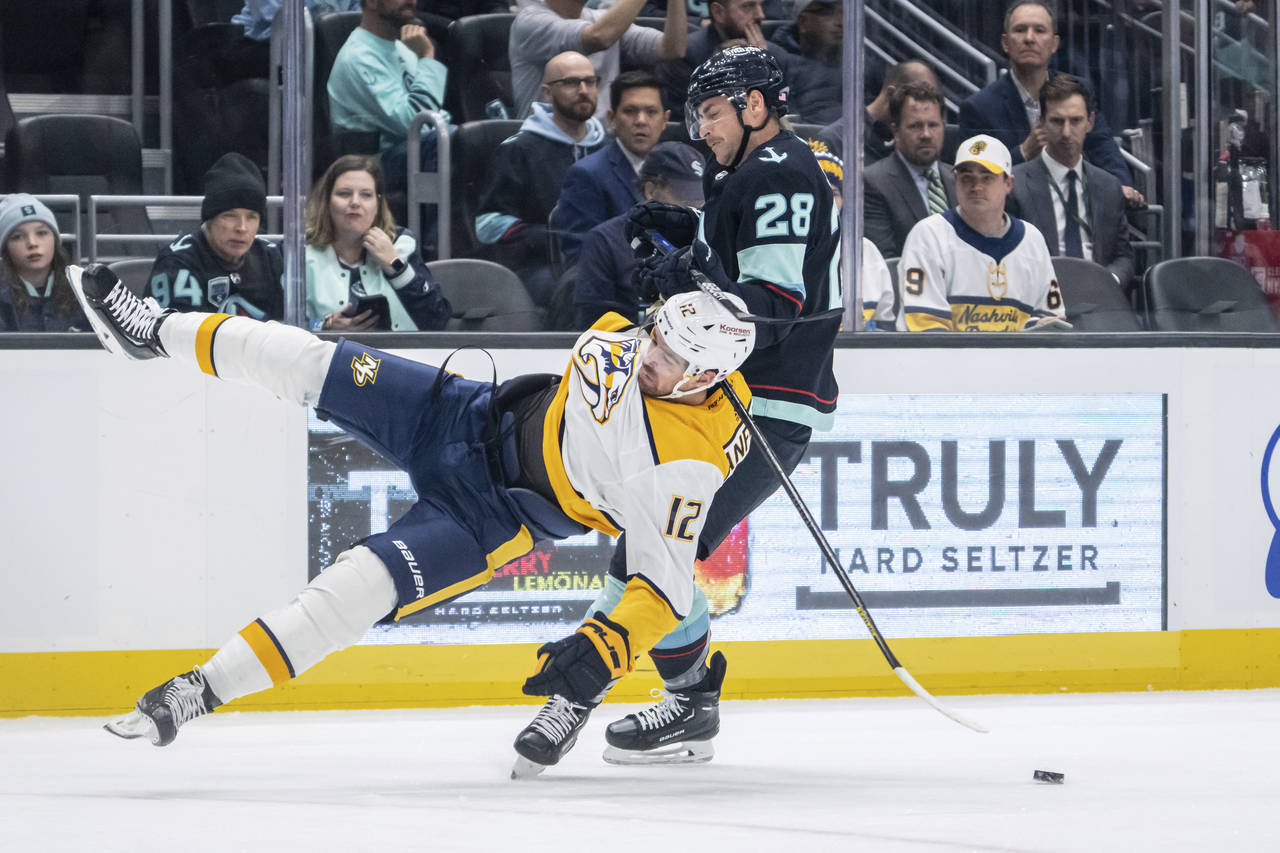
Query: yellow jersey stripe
x,y
268,651
516,546
204,341
646,615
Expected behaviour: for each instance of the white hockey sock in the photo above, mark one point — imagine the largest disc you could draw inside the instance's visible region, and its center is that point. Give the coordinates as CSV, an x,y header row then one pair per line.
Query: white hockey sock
x,y
330,613
290,363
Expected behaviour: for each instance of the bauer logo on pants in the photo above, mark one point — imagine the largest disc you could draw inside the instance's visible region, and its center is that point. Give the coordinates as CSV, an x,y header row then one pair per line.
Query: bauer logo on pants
x,y
364,369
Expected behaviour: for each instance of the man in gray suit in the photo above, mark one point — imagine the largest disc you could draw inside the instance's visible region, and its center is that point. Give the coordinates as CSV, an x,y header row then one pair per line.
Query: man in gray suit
x,y
910,183
1079,207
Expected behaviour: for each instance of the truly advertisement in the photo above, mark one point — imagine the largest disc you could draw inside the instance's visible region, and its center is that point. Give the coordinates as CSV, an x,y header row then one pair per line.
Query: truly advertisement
x,y
955,515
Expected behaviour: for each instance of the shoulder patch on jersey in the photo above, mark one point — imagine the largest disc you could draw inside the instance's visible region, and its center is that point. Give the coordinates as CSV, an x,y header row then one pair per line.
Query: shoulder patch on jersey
x,y
605,367
181,243
773,156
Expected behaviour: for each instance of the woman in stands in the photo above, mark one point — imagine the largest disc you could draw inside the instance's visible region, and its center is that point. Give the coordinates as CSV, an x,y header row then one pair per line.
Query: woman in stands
x,y
363,271
34,293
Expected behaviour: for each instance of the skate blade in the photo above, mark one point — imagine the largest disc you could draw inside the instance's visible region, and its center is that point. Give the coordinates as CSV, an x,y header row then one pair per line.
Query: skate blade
x,y
526,769
692,752
109,343
133,725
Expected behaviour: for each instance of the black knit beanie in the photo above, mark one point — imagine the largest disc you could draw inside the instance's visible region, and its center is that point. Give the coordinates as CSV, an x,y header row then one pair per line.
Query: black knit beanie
x,y
234,181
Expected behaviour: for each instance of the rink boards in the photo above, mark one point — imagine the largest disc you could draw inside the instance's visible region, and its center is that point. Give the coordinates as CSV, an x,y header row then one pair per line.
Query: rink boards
x,y
1026,516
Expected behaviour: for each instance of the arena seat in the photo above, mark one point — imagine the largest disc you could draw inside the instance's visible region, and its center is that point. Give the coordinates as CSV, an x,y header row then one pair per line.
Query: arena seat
x,y
134,272
83,155
1094,301
473,148
485,297
481,68
331,31
1205,295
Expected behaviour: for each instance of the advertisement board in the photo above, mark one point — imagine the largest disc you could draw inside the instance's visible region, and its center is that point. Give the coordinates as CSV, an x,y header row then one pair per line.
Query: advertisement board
x,y
955,515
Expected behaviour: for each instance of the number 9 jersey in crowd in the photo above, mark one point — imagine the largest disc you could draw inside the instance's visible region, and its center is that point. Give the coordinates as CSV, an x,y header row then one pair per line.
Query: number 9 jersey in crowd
x,y
664,458
773,222
956,279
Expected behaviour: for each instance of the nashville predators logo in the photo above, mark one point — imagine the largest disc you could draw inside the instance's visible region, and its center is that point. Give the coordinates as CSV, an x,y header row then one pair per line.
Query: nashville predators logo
x,y
605,368
978,147
998,281
364,369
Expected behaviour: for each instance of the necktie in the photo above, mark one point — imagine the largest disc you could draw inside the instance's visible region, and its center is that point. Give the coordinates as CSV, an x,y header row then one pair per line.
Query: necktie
x,y
937,195
1071,245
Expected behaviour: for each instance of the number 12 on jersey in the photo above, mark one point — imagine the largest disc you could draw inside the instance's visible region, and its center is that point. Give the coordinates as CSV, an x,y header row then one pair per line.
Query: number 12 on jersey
x,y
682,514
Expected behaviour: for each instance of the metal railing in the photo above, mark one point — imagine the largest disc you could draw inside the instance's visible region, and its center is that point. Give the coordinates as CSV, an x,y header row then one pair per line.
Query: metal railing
x,y
66,202
93,239
427,187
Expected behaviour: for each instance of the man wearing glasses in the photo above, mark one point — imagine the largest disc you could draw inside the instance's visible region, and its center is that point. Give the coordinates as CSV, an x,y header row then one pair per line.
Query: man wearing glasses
x,y
545,28
529,168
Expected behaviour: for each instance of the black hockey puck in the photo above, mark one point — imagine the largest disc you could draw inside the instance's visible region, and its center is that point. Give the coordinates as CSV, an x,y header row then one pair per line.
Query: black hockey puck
x,y
1048,776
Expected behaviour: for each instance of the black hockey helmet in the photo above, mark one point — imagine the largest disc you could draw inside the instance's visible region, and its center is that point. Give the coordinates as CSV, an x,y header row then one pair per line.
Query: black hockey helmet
x,y
733,72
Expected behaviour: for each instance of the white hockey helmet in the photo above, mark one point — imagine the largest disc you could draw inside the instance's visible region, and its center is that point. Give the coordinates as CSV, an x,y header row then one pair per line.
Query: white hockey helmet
x,y
702,331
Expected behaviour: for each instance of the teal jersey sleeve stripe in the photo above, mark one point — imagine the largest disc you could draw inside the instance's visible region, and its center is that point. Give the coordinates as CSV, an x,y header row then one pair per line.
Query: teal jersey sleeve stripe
x,y
778,263
794,412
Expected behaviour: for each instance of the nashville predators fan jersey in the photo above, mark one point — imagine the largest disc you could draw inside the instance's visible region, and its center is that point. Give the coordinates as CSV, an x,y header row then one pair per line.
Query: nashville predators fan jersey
x,y
618,460
953,278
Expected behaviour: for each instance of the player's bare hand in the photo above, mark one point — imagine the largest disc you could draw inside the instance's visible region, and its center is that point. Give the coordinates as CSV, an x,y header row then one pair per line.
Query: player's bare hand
x,y
377,243
416,39
1133,198
755,36
343,322
1034,143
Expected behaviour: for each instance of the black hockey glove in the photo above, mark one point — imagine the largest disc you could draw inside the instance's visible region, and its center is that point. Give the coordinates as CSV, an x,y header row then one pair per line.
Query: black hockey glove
x,y
679,225
584,665
668,275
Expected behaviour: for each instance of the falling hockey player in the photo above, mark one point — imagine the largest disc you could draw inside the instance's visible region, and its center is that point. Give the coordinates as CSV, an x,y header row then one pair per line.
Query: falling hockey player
x,y
634,436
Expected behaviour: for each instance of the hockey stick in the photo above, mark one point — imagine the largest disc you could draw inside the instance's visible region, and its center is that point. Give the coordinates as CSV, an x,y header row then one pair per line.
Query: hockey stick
x,y
825,546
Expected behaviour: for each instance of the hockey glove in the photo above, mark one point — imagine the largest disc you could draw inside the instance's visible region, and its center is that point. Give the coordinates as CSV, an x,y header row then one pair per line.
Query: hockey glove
x,y
679,225
669,275
584,665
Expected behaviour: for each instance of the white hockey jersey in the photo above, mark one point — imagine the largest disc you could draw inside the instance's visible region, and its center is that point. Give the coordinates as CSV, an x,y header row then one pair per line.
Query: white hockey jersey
x,y
879,299
952,277
618,460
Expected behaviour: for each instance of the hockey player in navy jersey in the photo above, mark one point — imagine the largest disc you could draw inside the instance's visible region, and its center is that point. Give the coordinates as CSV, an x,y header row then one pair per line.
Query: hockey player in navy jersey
x,y
636,435
769,233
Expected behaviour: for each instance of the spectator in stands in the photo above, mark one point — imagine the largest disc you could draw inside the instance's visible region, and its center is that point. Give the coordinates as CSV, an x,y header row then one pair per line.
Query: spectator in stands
x,y
974,268
357,256
384,75
258,16
529,169
910,183
672,173
877,133
603,185
546,28
1079,207
34,293
1009,108
729,20
224,265
809,51
876,283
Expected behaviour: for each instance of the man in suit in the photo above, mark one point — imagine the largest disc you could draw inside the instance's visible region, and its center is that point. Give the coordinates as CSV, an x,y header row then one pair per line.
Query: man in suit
x,y
1009,108
1079,207
910,183
877,134
602,185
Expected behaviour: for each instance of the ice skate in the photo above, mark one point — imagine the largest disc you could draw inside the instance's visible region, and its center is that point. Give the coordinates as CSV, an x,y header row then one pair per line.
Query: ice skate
x,y
551,734
677,730
126,324
162,710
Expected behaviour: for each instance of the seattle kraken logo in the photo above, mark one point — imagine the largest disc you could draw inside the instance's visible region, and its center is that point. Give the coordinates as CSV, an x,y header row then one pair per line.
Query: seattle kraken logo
x,y
605,367
1272,575
364,369
774,156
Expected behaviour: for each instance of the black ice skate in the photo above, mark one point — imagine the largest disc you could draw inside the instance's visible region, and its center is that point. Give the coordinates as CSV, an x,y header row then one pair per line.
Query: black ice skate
x,y
551,734
162,710
125,323
678,730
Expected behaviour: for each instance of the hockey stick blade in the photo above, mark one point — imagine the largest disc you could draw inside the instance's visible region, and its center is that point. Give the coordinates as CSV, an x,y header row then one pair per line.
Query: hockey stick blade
x,y
825,547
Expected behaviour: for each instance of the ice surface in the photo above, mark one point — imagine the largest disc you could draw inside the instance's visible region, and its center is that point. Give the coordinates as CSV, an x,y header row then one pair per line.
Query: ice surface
x,y
1153,771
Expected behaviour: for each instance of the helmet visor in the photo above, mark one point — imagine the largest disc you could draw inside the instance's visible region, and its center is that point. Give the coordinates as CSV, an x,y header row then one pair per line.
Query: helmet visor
x,y
709,109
